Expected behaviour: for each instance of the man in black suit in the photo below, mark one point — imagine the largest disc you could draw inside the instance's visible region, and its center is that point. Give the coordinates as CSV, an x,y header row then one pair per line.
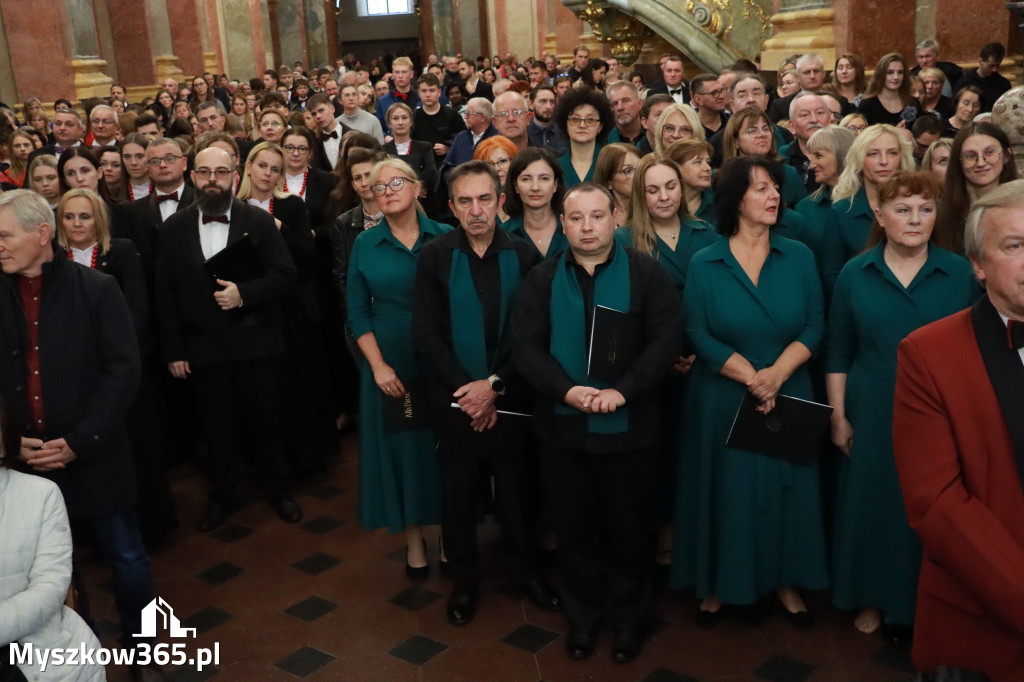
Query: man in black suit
x,y
225,337
675,84
68,130
466,281
325,154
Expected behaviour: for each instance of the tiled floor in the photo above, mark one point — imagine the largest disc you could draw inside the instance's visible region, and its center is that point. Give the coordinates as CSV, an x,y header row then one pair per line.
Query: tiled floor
x,y
328,601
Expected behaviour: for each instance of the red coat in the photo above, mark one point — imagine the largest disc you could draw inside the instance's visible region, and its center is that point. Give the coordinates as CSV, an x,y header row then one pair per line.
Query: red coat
x,y
957,468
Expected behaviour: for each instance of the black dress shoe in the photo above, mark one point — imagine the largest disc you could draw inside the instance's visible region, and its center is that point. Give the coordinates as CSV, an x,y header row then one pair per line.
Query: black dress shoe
x,y
287,508
579,644
705,620
543,595
461,607
626,646
216,514
801,620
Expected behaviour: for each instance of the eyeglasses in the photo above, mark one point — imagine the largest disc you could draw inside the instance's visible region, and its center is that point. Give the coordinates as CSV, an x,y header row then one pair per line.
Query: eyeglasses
x,y
103,121
501,164
627,171
672,130
271,124
291,149
588,122
169,159
219,173
396,185
970,159
712,93
505,114
754,130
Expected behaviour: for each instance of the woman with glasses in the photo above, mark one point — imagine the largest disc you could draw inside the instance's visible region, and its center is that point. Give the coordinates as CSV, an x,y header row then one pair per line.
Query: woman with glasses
x,y
615,167
271,126
750,132
498,151
855,123
901,282
888,98
419,154
967,105
979,161
534,187
677,122
694,160
399,480
312,185
587,118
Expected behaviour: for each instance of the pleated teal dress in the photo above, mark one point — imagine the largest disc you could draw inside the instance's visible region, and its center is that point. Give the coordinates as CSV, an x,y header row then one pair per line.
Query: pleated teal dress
x,y
876,556
399,479
745,523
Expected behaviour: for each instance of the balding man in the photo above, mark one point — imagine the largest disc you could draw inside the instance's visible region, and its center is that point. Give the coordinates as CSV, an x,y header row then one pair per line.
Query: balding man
x,y
479,113
220,330
171,86
808,113
511,117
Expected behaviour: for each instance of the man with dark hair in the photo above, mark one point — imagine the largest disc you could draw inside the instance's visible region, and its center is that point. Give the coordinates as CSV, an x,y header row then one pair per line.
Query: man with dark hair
x,y
986,76
926,130
210,118
71,369
674,81
598,434
541,131
300,95
580,59
117,92
562,85
650,112
325,154
148,125
709,100
224,336
433,122
539,74
270,80
466,282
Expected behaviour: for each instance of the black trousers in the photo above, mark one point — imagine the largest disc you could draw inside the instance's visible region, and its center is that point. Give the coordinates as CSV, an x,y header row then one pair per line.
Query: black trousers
x,y
233,396
602,509
466,464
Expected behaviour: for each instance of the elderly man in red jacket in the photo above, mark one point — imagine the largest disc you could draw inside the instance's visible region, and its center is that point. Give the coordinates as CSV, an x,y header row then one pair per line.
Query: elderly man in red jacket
x,y
958,430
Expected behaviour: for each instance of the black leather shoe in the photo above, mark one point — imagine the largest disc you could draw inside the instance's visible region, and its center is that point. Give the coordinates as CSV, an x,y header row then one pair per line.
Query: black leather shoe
x,y
626,646
801,620
216,514
543,595
579,644
287,508
461,607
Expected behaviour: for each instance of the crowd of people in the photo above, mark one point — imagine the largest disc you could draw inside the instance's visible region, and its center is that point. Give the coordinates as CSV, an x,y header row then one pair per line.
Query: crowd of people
x,y
536,289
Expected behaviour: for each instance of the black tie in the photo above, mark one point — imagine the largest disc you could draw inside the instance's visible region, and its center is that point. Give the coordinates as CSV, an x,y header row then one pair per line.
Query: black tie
x,y
328,136
173,196
215,219
1015,334
675,92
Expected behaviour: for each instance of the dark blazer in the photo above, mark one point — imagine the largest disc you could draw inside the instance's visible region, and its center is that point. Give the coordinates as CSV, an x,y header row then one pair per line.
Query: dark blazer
x,y
320,159
141,222
298,235
122,262
343,235
90,369
50,149
192,325
662,89
961,464
319,186
421,158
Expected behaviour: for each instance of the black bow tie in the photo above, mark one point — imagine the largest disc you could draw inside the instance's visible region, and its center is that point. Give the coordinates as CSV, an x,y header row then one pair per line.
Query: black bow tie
x,y
173,196
675,92
215,219
328,136
1015,334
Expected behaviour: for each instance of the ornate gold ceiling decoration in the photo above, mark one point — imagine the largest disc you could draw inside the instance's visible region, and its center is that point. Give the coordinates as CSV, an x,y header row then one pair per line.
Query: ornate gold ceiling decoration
x,y
609,25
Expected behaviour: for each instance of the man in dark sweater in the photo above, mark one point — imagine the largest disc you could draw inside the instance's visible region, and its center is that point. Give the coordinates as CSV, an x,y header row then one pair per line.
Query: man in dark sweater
x,y
987,76
433,122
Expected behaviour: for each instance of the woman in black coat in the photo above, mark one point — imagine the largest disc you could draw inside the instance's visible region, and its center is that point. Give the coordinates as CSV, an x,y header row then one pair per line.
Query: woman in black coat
x,y
419,154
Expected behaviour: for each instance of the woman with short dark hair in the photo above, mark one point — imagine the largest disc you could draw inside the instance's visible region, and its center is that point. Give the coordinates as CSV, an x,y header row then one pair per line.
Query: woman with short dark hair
x,y
747,523
587,119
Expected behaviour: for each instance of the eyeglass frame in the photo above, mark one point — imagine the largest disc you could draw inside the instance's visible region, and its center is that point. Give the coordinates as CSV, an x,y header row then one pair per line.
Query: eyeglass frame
x,y
383,186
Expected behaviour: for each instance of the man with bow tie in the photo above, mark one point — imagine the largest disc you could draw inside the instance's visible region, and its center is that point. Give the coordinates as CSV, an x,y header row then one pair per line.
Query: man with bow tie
x,y
325,154
958,431
401,79
225,337
675,83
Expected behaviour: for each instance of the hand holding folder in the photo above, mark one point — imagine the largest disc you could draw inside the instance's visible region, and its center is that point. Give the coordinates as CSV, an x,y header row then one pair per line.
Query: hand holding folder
x,y
615,341
793,431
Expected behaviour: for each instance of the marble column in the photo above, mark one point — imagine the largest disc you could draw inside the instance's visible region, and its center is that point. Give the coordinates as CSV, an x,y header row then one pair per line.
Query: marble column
x,y
315,30
443,18
874,28
90,79
160,29
243,38
142,44
207,30
49,78
427,27
803,26
186,37
291,32
468,19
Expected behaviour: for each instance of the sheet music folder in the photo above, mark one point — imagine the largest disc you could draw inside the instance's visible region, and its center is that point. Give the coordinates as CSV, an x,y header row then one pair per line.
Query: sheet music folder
x,y
793,431
236,262
615,341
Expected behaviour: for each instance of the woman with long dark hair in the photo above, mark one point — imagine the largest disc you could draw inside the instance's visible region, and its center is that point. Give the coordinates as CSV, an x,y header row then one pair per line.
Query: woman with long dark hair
x,y
888,99
534,188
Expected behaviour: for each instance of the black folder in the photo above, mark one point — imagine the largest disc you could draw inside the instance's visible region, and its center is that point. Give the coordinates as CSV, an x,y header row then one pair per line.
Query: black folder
x,y
793,431
615,341
237,262
406,412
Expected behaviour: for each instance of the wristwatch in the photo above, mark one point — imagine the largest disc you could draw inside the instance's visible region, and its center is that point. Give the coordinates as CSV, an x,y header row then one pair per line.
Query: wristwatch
x,y
497,385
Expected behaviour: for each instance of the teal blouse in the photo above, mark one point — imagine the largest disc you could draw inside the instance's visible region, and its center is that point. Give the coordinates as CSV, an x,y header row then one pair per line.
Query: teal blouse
x,y
571,178
558,241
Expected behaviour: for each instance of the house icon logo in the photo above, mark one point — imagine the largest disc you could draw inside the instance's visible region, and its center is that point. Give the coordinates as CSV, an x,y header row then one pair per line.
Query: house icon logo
x,y
158,611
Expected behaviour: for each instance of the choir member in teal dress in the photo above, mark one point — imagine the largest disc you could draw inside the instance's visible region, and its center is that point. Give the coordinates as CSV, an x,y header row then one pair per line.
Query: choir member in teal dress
x,y
747,524
677,122
750,132
874,157
980,160
399,479
902,282
694,160
586,117
827,149
534,188
660,226
615,166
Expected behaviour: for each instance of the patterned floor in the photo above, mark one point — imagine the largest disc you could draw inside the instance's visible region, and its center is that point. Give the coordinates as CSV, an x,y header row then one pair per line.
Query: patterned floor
x,y
327,601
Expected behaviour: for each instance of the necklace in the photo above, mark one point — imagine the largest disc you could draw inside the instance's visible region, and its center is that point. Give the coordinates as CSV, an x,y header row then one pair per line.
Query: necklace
x,y
305,179
92,262
131,193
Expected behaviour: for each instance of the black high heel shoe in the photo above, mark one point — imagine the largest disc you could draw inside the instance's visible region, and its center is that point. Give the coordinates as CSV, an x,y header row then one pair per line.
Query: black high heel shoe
x,y
417,573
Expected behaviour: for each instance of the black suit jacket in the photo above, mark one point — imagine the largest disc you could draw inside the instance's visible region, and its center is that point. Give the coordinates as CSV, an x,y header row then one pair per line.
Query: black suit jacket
x,y
320,159
319,186
421,158
663,90
141,222
298,235
192,326
90,369
50,149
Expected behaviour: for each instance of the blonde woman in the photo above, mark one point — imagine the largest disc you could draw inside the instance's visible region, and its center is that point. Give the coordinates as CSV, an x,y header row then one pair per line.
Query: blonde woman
x,y
677,122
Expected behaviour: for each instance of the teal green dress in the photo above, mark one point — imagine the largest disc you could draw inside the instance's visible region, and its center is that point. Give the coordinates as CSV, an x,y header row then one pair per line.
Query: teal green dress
x,y
793,188
816,210
746,523
694,235
792,225
876,556
571,178
706,212
853,220
399,479
558,241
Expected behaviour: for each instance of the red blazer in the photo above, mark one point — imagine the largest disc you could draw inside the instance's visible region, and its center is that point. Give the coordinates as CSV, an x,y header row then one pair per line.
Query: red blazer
x,y
956,462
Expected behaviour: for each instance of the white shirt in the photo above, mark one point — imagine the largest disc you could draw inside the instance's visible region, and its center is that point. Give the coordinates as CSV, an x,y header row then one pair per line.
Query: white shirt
x,y
1006,323
140,191
332,146
476,138
213,237
83,256
677,96
293,184
403,148
265,205
168,208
